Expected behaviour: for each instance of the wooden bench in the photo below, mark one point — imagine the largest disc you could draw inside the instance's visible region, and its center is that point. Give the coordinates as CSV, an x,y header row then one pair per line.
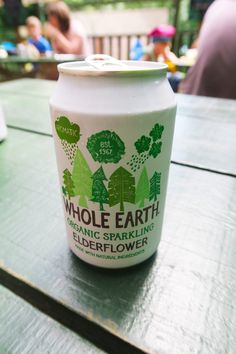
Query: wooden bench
x,y
120,46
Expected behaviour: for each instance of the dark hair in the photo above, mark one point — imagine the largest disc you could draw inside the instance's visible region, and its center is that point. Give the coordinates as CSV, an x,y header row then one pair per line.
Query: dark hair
x,y
61,11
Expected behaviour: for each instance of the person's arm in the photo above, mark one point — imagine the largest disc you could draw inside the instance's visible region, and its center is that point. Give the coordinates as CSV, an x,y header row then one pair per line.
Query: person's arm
x,y
146,57
170,56
60,43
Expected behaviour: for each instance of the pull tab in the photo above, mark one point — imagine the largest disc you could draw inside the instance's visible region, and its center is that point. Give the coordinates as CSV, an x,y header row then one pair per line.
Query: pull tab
x,y
98,61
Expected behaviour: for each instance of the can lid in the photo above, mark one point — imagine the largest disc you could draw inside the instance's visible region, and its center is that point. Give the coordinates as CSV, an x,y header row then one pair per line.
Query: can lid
x,y
105,65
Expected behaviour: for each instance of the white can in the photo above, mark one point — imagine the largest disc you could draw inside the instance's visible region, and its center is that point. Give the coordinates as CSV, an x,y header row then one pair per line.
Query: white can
x,y
113,125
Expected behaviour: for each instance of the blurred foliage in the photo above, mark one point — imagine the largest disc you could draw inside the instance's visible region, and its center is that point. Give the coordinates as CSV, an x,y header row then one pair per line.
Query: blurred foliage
x,y
184,23
125,4
13,17
8,22
83,4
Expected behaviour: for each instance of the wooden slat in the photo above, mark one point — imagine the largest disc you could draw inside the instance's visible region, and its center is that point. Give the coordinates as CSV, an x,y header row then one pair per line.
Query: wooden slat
x,y
93,45
100,45
110,45
24,329
180,301
119,41
129,38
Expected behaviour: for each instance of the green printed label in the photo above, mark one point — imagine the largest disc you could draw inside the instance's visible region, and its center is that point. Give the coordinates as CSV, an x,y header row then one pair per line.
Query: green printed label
x,y
106,146
114,183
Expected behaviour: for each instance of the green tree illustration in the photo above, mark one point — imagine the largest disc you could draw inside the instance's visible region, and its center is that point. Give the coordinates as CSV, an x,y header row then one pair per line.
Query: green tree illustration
x,y
106,146
147,147
155,183
156,132
121,188
142,190
64,191
99,192
142,144
155,149
81,176
68,183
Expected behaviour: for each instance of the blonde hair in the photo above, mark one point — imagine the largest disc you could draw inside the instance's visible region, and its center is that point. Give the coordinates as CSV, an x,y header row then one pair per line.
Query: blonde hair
x,y
33,21
62,12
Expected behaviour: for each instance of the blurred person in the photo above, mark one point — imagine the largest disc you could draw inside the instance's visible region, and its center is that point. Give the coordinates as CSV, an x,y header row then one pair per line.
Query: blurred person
x,y
160,50
67,37
36,39
214,73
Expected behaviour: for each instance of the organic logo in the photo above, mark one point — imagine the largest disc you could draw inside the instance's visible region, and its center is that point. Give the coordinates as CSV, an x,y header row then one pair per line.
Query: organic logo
x,y
69,133
66,130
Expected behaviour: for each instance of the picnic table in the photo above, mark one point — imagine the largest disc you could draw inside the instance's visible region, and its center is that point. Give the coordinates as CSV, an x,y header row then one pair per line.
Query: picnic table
x,y
14,66
182,300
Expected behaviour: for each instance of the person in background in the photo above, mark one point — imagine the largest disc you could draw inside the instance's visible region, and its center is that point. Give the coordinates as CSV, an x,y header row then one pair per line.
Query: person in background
x,y
36,39
67,37
214,73
159,50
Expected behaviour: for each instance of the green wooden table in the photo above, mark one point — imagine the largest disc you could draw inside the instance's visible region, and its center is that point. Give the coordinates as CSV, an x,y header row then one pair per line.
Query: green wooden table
x,y
14,66
56,58
182,300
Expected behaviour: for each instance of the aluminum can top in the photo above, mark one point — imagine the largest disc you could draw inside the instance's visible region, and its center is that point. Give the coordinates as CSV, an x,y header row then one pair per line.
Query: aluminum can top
x,y
104,65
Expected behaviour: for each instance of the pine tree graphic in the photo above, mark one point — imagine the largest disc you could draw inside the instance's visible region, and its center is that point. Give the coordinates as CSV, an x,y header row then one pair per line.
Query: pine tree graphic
x,y
121,188
155,183
99,191
69,186
142,189
81,176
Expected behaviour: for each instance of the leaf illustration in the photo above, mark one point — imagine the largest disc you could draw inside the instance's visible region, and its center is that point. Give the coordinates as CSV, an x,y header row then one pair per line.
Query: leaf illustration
x,y
156,132
142,144
155,149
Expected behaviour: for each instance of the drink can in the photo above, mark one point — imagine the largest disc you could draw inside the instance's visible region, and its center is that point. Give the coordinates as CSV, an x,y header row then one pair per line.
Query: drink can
x,y
113,124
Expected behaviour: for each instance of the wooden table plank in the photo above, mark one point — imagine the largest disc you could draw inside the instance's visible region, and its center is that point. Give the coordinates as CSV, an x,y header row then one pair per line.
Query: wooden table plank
x,y
55,59
203,124
24,329
205,133
181,301
28,87
24,112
